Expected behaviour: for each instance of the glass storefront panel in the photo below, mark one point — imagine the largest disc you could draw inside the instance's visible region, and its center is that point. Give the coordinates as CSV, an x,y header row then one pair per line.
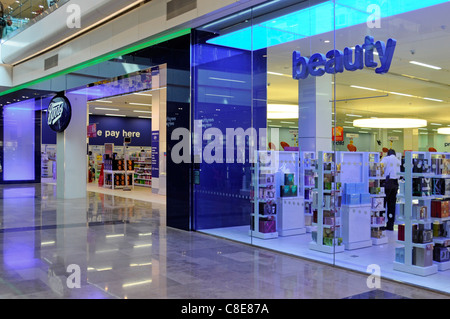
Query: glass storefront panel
x,y
397,102
307,73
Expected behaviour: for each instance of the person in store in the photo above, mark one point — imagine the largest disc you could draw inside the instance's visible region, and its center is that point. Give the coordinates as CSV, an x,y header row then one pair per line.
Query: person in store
x,y
391,165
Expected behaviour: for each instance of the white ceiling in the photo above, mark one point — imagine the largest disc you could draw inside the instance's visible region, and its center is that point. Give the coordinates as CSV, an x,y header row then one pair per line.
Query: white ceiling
x,y
124,105
422,35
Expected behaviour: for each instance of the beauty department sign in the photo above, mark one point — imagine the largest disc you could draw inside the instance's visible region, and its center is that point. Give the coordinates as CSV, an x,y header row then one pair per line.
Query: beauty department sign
x,y
335,61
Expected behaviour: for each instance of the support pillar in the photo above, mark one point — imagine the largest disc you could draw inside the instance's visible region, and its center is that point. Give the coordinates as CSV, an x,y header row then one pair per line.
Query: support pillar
x,y
315,108
71,152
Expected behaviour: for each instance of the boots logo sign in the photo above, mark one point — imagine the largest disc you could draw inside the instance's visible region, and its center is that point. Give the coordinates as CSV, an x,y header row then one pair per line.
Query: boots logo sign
x,y
59,113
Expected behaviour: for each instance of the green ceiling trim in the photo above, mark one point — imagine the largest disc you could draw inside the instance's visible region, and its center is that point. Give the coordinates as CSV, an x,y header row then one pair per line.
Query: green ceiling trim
x,y
100,59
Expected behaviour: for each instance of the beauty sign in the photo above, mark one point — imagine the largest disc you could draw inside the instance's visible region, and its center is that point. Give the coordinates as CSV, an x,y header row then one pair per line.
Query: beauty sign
x,y
336,61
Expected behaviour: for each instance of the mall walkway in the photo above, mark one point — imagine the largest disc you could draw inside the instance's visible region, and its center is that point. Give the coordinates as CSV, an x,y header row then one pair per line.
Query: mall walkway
x,y
123,249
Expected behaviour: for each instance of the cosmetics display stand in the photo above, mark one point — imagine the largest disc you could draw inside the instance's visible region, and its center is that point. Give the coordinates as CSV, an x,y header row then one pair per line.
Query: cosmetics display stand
x,y
278,209
326,238
307,166
414,257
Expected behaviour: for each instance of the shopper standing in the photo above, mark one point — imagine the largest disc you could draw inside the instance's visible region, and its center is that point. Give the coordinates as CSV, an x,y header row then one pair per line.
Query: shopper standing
x,y
391,165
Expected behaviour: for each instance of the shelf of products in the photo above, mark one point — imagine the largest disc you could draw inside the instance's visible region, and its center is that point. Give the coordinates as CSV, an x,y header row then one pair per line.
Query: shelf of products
x,y
278,208
307,175
326,211
116,179
143,170
423,215
377,194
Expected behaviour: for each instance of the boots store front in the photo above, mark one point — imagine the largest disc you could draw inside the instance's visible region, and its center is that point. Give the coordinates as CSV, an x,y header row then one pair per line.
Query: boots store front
x,y
314,128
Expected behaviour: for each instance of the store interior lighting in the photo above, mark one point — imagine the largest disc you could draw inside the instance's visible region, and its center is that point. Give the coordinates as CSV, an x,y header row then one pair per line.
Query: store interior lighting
x,y
390,123
443,130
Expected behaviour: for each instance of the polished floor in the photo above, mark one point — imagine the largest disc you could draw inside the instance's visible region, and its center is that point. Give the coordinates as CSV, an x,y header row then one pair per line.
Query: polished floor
x,y
111,247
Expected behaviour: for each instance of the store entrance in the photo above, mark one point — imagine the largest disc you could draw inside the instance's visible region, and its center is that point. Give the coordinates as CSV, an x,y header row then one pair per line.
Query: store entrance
x,y
125,155
120,143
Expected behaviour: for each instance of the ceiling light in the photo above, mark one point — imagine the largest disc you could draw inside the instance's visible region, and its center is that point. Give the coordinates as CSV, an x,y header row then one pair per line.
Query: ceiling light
x,y
282,111
430,99
353,115
142,94
435,124
425,65
144,104
119,115
443,130
145,117
106,109
287,122
103,101
402,94
390,123
363,88
139,111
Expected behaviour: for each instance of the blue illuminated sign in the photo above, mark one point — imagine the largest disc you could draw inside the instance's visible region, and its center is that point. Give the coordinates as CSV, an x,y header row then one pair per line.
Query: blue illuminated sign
x,y
59,113
335,61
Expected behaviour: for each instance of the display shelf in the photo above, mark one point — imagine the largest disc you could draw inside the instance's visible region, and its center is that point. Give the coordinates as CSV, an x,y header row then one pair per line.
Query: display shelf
x,y
277,204
413,162
111,183
327,235
142,168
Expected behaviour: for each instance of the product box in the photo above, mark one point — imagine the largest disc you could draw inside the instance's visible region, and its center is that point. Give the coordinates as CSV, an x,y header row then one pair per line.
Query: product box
x,y
438,186
288,191
401,232
267,208
441,254
289,179
436,166
365,198
267,225
423,257
352,199
378,203
400,255
376,233
314,236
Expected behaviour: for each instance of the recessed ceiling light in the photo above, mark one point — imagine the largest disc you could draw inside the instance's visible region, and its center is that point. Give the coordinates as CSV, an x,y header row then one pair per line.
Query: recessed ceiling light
x,y
143,94
354,115
402,94
430,99
106,109
119,115
444,130
363,88
139,111
390,123
103,101
435,124
145,117
144,104
425,65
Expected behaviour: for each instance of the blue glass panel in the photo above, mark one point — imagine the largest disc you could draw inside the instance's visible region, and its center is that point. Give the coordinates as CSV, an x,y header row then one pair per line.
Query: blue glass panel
x,y
314,20
229,94
19,141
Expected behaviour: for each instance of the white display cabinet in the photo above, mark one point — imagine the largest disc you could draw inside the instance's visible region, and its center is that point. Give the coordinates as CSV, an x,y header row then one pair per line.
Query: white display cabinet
x,y
378,206
306,182
327,236
271,170
406,219
356,200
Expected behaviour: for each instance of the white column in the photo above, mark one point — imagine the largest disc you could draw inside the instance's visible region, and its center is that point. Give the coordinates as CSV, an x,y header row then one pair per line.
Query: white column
x,y
71,152
315,108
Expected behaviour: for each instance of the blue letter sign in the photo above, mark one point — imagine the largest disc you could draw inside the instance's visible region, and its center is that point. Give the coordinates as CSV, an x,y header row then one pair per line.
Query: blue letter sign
x,y
318,65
